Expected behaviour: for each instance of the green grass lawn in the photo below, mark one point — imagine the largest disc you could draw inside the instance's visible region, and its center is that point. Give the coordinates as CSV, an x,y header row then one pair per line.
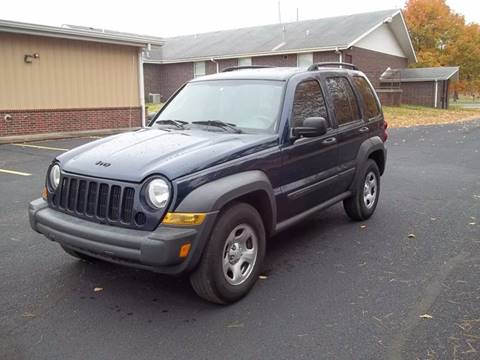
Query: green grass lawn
x,y
153,108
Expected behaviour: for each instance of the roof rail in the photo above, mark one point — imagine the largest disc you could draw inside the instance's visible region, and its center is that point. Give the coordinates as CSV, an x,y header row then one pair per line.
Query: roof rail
x,y
235,68
315,66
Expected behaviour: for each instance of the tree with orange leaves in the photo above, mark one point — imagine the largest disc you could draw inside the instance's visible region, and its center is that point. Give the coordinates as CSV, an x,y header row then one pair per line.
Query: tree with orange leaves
x,y
441,38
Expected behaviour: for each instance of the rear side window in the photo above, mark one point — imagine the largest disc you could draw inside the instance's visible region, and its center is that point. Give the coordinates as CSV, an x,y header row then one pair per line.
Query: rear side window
x,y
308,102
344,100
371,106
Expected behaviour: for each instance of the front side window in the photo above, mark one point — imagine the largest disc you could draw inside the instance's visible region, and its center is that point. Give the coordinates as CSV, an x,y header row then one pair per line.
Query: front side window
x,y
250,105
372,109
344,100
199,68
308,102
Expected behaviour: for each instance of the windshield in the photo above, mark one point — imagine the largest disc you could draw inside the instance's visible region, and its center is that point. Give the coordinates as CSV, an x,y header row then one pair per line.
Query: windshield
x,y
252,105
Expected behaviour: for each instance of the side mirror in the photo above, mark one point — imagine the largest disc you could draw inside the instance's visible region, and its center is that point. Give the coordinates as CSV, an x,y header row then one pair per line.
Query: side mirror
x,y
311,127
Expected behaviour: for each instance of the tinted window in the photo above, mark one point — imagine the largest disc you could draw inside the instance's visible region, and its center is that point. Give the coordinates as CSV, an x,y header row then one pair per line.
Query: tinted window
x,y
308,102
371,106
344,100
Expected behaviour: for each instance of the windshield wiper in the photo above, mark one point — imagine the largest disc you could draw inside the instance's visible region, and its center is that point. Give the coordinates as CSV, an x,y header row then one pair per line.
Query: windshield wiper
x,y
177,123
220,124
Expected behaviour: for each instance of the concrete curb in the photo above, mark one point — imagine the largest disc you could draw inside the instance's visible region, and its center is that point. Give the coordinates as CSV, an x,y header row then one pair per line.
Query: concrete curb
x,y
61,135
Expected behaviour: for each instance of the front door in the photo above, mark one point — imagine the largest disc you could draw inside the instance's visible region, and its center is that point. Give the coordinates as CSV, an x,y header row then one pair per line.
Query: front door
x,y
309,164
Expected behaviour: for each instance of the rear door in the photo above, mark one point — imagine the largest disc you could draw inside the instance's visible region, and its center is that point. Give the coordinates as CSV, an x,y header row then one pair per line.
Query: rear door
x,y
352,128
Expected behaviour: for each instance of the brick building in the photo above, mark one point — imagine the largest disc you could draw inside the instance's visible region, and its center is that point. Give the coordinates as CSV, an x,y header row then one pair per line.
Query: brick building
x,y
373,41
56,79
421,86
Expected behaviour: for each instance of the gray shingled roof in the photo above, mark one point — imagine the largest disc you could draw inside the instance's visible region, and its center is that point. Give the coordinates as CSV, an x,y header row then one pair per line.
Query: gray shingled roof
x,y
420,74
320,34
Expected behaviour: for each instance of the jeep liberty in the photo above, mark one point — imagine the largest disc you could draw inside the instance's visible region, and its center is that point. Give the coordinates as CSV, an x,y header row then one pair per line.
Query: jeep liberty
x,y
230,160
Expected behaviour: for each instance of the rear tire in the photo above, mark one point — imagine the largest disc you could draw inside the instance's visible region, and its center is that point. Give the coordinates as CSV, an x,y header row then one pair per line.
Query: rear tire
x,y
78,255
233,257
362,204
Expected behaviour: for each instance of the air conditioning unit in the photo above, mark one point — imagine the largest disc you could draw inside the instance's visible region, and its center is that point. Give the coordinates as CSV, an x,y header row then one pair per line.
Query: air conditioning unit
x,y
155,98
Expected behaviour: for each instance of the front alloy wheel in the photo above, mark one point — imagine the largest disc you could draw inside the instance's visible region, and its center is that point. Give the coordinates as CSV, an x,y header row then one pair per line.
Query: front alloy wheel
x,y
240,254
232,259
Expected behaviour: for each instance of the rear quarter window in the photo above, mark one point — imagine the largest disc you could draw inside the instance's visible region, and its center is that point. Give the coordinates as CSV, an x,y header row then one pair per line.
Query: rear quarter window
x,y
372,109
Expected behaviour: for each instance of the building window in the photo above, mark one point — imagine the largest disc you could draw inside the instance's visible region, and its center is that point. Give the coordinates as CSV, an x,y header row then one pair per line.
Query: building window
x,y
304,60
344,100
245,62
308,102
199,68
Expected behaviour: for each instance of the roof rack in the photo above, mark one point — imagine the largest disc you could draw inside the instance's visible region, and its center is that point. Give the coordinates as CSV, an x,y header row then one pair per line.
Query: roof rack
x,y
315,66
235,68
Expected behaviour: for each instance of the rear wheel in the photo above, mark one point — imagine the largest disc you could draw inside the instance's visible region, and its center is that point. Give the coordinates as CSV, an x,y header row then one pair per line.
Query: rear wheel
x,y
361,205
233,256
77,254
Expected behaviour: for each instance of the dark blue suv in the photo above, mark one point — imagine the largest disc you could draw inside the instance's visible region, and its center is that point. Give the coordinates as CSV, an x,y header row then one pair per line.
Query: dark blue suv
x,y
230,160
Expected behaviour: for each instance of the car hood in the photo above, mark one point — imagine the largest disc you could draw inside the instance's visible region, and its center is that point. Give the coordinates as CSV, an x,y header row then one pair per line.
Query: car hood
x,y
135,155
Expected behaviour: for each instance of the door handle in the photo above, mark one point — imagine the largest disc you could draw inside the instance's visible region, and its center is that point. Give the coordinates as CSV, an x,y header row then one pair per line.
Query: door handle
x,y
329,141
364,129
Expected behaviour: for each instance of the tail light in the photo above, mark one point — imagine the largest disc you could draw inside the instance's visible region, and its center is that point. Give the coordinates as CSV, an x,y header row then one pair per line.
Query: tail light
x,y
385,134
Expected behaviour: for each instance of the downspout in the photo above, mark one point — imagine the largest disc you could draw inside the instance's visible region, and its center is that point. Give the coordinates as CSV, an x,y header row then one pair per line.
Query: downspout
x,y
141,89
436,94
216,63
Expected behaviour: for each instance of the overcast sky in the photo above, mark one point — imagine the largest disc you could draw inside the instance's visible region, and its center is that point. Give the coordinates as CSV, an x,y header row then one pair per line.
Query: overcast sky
x,y
180,17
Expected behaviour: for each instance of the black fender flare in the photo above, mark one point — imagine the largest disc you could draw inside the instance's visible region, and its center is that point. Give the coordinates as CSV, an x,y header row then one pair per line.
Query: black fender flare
x,y
214,195
366,148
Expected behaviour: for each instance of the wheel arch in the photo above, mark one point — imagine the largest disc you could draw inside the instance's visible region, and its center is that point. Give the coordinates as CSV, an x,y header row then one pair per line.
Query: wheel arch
x,y
372,148
252,187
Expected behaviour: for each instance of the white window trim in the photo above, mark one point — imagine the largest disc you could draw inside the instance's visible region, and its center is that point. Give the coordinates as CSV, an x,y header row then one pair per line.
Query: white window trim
x,y
197,63
304,55
247,60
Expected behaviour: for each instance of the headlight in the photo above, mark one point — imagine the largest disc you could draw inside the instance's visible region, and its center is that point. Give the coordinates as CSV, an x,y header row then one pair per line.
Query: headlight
x,y
54,176
158,193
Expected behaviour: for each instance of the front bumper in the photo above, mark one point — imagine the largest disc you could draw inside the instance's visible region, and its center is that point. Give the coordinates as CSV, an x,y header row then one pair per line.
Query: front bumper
x,y
152,250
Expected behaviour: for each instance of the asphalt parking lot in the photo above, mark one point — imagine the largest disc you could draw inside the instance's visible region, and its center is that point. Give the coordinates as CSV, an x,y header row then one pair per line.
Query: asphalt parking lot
x,y
332,288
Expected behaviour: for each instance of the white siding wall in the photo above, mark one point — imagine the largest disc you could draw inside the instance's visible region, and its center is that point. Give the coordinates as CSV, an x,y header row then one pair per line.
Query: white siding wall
x,y
382,40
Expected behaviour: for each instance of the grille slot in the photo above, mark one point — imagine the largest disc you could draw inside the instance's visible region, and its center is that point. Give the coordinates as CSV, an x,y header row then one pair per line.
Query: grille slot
x,y
96,200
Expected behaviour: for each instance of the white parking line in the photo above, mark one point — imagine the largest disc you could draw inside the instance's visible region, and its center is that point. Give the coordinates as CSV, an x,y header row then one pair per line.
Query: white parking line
x,y
14,172
40,147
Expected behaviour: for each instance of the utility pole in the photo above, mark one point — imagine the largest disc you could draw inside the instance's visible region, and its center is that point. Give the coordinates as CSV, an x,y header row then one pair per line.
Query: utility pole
x,y
279,13
297,15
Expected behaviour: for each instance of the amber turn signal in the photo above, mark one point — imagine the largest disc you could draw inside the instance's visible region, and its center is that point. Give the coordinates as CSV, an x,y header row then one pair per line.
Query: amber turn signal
x,y
184,250
44,193
173,218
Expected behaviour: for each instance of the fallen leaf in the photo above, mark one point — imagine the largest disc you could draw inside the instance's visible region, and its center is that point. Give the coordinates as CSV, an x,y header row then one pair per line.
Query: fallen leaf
x,y
97,289
433,219
411,236
28,315
426,316
472,223
235,325
363,226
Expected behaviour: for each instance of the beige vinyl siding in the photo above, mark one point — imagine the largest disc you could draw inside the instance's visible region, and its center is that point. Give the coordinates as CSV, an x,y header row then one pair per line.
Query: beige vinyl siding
x,y
69,74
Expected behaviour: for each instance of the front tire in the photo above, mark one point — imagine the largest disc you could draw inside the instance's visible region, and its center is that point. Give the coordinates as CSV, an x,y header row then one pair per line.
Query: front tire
x,y
233,257
362,204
